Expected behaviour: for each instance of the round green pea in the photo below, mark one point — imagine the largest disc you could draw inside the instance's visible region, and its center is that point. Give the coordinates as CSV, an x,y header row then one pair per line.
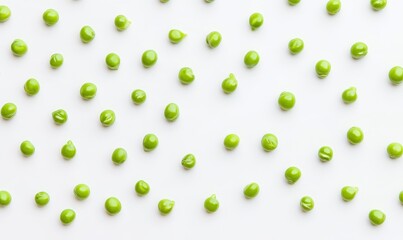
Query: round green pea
x,y
122,23
395,150
349,95
176,36
119,156
213,39
31,87
142,188
87,34
88,91
138,96
82,191
269,142
113,206
333,6
8,111
286,101
165,206
211,204
56,60
355,135
307,203
322,68
107,118
256,20
251,190
171,112
68,150
164,1
59,116
292,174
293,2
348,193
396,75
188,161
231,141
378,5
296,45
376,217
251,59
67,216
325,153
50,17
19,48
5,198
209,1
401,197
150,142
186,75
112,61
359,50
229,84
27,148
42,199
149,58
5,13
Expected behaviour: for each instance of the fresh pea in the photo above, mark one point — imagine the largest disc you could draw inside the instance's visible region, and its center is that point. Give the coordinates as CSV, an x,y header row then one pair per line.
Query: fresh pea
x,y
307,203
355,135
122,23
113,206
359,50
401,197
256,20
138,96
333,6
164,1
5,13
378,5
296,45
150,142
213,39
119,156
19,47
171,112
165,206
68,150
31,87
229,84
50,17
5,198
56,60
396,75
149,58
88,91
42,198
251,190
209,1
231,141
87,34
292,174
286,101
211,204
176,36
8,111
67,216
186,75
395,150
82,191
325,153
376,217
188,161
59,116
27,148
251,59
349,95
142,188
107,118
293,2
322,68
348,193
269,142
112,61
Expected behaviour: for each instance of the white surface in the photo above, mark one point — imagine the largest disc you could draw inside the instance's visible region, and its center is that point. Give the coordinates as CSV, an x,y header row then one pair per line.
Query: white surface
x,y
207,115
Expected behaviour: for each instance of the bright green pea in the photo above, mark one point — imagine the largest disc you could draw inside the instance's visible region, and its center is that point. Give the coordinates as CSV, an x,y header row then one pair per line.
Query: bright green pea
x,y
164,1
286,101
293,2
269,142
139,96
322,68
5,198
149,58
188,161
211,204
112,61
113,206
325,153
165,206
396,75
209,1
19,47
401,197
376,217
333,6
107,118
349,95
229,84
186,75
395,150
256,20
296,45
231,141
150,142
8,111
50,17
348,193
59,116
307,203
378,4
292,174
82,191
27,148
122,23
88,91
251,59
56,60
42,199
171,112
119,156
142,188
251,190
67,216
68,150
87,34
176,36
359,50
213,39
5,13
355,135
31,87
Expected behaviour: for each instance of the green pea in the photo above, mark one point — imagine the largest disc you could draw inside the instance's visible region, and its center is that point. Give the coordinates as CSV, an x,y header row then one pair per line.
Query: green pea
x,y
209,1
165,206
8,111
5,13
211,204
401,197
325,153
378,4
176,36
171,112
139,96
293,2
149,58
256,20
42,199
251,59
164,1
88,91
395,150
142,188
286,101
50,17
229,84
113,206
67,216
31,87
349,95
292,174
150,142
82,191
213,39
322,68
231,141
19,47
307,203
27,148
396,75
376,217
56,60
359,50
269,142
188,161
186,75
5,198
112,61
251,190
122,23
119,156
87,34
68,150
333,6
355,135
348,193
296,45
59,116
107,118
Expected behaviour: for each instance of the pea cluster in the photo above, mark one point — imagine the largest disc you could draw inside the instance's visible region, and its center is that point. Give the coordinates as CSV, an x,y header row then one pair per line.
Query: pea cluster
x,y
269,142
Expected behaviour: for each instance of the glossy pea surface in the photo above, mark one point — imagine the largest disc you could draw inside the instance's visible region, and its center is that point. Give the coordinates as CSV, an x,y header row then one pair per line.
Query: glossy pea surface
x,y
150,142
292,174
59,116
349,95
293,2
396,75
27,148
359,50
67,216
188,161
325,153
269,142
113,206
122,22
112,61
286,101
68,150
378,5
5,198
296,45
82,191
256,20
171,112
211,204
119,156
42,198
56,60
186,75
107,118
322,68
395,150
251,59
87,34
5,13
88,91
333,6
376,217
251,190
231,141
142,188
355,135
348,193
31,87
165,206
8,111
307,203
138,96
50,17
229,84
213,39
176,36
19,47
149,58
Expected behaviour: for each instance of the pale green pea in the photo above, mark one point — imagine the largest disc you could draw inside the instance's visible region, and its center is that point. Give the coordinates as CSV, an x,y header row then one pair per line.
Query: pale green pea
x,y
150,142
138,96
165,206
322,68
119,156
107,118
5,13
186,75
88,91
171,112
50,17
112,61
19,48
27,148
376,217
8,111
149,58
256,20
68,150
349,95
286,101
231,141
188,161
87,34
142,188
333,6
209,1
251,190
5,198
293,2
213,39
307,203
59,116
122,23
176,36
378,5
56,60
82,191
348,193
211,204
113,206
42,199
395,150
251,59
229,84
355,135
269,142
31,87
292,174
325,153
164,1
296,45
401,197
67,216
396,75
359,50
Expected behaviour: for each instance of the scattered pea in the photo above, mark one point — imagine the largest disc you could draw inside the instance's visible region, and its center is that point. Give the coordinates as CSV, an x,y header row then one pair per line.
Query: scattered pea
x,y
42,199
307,203
186,75
359,50
5,198
31,87
348,193
50,17
142,188
56,60
87,34
112,61
378,5
355,135
5,13
150,142
401,197
213,39
395,150
325,154
211,204
293,2
376,217
188,161
165,206
251,190
82,191
296,45
122,23
119,156
286,101
19,47
251,59
88,91
113,206
176,36
396,75
138,96
27,148
256,20
333,6
269,142
59,116
149,58
349,95
229,84
68,150
171,112
107,118
67,216
231,141
292,174
8,111
322,68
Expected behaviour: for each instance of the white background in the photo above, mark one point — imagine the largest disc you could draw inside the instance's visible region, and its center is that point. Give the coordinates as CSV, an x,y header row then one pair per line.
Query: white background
x,y
207,115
